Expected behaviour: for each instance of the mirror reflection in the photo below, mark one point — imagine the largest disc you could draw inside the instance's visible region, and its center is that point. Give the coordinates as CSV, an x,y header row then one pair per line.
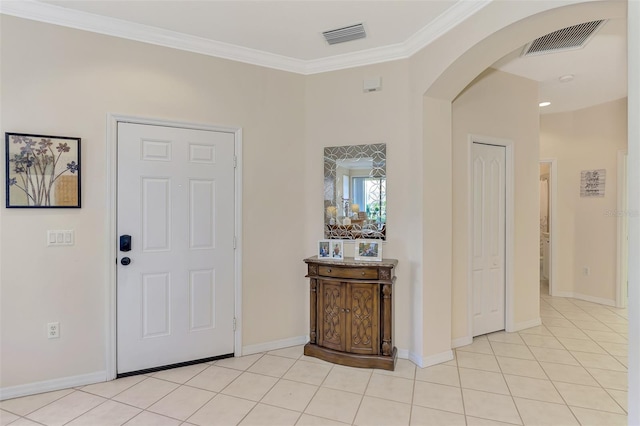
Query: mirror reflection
x,y
355,191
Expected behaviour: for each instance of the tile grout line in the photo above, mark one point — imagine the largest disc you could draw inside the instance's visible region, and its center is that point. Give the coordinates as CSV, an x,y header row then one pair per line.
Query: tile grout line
x,y
355,416
33,411
587,370
464,408
554,385
505,379
300,413
216,393
269,390
179,386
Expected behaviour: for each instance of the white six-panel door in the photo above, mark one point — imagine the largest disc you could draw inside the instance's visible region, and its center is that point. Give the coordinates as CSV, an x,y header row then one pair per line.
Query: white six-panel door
x,y
488,237
175,300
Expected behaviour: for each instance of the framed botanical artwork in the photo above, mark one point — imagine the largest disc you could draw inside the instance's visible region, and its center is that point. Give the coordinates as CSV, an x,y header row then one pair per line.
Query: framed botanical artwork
x,y
324,249
42,171
337,250
368,250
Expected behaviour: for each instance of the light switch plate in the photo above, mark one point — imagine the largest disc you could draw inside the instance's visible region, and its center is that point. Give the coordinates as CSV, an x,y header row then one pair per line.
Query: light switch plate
x,y
60,237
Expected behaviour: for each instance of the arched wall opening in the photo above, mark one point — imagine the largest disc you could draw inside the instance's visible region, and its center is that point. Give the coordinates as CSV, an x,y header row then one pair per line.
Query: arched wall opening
x,y
436,127
435,131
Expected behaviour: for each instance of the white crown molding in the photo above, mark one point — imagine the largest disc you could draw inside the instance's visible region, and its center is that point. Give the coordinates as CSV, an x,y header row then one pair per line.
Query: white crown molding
x,y
65,17
452,17
58,15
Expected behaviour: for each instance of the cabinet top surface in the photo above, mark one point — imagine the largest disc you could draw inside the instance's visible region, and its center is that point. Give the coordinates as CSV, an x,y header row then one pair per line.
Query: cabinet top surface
x,y
350,261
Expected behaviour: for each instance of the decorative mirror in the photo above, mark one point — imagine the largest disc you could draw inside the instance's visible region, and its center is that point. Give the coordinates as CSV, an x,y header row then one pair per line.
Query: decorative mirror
x,y
355,192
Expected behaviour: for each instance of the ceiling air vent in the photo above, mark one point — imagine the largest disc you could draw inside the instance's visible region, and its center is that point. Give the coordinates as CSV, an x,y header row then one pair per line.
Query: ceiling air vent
x,y
569,38
341,35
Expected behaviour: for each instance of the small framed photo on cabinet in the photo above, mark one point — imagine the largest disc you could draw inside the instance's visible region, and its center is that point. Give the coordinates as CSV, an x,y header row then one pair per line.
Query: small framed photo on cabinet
x,y
324,249
337,250
368,250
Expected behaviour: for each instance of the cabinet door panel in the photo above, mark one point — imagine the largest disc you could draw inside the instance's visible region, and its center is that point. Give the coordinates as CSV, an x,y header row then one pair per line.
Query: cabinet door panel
x,y
363,317
331,315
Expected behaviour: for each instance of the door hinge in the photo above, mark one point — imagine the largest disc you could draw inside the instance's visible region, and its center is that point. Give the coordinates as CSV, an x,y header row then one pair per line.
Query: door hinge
x,y
235,161
234,242
234,324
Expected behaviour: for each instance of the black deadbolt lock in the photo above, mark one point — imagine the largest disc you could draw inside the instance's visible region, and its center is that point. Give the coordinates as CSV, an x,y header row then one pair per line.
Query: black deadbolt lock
x,y
125,242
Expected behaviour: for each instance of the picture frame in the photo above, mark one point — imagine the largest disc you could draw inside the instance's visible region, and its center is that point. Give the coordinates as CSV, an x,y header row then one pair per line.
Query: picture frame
x,y
337,250
324,249
368,250
42,171
592,183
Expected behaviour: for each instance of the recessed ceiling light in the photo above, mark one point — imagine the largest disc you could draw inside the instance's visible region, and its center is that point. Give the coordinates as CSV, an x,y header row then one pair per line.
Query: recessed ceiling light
x,y
544,104
566,78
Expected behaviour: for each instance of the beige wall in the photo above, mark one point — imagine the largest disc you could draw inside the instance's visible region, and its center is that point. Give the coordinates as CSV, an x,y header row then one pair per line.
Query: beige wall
x,y
338,112
502,106
586,227
436,229
287,120
64,82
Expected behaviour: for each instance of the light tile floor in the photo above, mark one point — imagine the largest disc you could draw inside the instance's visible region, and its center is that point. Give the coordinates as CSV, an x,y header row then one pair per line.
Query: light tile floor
x,y
570,370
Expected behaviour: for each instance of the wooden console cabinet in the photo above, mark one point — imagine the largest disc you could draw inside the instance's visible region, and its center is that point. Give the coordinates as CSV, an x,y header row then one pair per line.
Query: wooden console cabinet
x,y
351,312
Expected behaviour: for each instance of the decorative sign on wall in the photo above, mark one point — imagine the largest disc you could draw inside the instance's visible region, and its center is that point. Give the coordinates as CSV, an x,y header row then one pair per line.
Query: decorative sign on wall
x,y
592,183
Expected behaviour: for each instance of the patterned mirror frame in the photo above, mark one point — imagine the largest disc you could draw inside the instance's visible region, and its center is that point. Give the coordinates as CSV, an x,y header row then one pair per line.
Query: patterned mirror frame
x,y
378,154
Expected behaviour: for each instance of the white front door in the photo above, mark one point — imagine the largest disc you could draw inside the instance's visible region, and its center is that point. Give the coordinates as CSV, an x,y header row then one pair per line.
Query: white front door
x,y
488,238
175,299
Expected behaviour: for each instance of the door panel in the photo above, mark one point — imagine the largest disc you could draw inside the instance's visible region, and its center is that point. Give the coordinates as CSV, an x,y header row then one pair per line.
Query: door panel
x,y
331,315
156,214
202,291
156,305
202,195
176,200
363,318
488,238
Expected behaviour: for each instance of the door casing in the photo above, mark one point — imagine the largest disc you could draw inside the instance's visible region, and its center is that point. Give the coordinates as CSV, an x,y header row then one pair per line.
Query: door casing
x,y
111,246
510,326
553,197
622,214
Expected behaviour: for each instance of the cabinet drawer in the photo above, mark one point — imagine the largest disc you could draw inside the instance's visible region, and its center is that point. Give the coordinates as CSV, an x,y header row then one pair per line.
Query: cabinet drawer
x,y
354,273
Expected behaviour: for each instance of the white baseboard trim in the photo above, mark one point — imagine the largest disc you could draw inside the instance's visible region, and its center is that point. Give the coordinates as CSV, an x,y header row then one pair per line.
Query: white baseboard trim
x,y
273,345
52,385
526,324
599,300
461,341
430,360
403,353
415,358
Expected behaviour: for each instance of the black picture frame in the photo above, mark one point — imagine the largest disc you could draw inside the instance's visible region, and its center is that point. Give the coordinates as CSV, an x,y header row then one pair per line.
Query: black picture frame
x,y
42,171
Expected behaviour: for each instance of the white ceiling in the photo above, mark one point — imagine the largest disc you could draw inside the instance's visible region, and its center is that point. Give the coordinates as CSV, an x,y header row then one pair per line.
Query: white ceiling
x,y
287,35
599,70
287,28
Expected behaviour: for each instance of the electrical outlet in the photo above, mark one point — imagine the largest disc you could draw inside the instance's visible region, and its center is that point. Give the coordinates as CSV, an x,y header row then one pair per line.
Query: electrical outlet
x,y
586,270
53,330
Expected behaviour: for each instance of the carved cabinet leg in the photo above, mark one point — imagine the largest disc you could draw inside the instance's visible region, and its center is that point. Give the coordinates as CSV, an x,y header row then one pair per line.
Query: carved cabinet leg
x,y
312,310
386,320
